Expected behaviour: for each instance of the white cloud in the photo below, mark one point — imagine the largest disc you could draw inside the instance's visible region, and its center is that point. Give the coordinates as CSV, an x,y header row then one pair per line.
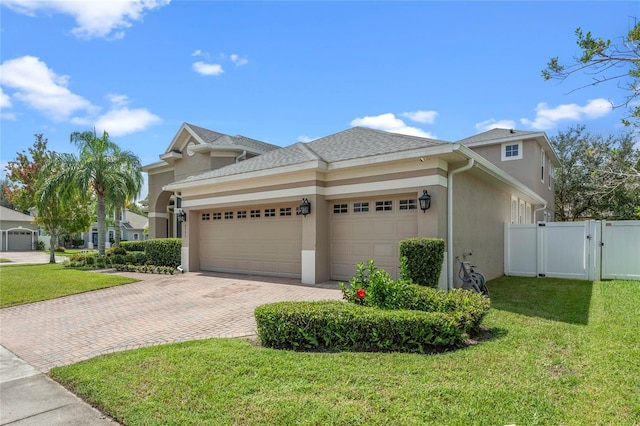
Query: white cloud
x,y
238,60
42,89
5,100
305,139
95,18
492,123
390,123
123,121
207,69
548,118
197,53
427,117
118,100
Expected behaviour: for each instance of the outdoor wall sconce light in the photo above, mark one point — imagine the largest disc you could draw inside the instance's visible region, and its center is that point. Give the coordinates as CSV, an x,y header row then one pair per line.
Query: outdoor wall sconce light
x,y
425,201
304,208
181,215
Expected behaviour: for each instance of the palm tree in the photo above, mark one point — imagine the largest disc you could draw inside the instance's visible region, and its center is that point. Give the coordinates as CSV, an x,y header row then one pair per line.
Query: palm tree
x,y
101,168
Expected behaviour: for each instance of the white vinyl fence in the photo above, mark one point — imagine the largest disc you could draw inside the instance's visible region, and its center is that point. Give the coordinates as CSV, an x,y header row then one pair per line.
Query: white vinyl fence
x,y
590,250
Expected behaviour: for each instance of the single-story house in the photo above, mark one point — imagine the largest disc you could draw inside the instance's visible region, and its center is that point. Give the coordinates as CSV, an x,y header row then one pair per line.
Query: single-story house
x,y
18,232
240,205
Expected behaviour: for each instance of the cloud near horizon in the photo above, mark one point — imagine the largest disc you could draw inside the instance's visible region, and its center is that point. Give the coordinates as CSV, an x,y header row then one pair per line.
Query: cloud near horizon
x,y
492,123
40,88
548,118
105,19
390,123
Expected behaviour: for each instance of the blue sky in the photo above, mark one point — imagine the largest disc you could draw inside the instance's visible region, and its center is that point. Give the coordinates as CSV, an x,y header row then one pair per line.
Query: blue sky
x,y
286,71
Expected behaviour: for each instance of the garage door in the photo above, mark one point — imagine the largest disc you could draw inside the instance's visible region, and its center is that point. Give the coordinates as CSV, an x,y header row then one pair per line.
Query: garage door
x,y
370,229
19,240
266,241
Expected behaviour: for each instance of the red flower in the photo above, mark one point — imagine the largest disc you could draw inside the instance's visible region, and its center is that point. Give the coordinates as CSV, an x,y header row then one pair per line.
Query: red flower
x,y
361,293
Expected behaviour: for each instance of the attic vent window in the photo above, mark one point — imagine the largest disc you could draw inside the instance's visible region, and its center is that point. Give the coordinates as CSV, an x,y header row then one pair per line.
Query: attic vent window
x,y
511,151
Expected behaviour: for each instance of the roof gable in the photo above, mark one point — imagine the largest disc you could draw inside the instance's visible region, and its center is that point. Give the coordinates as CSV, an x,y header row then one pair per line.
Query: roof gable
x,y
496,134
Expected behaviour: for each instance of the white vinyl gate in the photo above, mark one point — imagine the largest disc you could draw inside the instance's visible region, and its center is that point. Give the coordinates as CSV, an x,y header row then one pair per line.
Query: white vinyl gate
x,y
590,250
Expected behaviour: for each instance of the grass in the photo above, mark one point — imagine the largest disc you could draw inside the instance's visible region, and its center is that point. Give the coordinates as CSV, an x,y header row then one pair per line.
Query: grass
x,y
21,284
544,361
71,252
4,260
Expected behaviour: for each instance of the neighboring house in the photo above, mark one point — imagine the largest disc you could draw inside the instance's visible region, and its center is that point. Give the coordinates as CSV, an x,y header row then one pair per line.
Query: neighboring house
x,y
18,232
240,199
132,229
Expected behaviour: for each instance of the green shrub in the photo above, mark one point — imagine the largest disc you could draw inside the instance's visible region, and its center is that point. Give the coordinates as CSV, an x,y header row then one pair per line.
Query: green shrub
x,y
130,258
90,260
383,292
164,251
100,262
116,259
140,257
40,245
115,250
60,249
333,325
424,260
132,245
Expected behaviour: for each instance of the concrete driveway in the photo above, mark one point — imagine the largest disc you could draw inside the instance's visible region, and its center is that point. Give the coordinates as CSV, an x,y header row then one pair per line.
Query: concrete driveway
x,y
158,309
22,257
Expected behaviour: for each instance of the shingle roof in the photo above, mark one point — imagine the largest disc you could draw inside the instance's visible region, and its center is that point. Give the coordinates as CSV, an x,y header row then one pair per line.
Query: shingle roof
x,y
135,220
357,142
495,134
360,142
14,216
220,139
294,154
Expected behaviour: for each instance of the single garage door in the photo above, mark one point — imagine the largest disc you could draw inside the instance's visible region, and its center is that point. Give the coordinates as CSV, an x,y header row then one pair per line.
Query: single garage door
x,y
370,229
19,240
266,241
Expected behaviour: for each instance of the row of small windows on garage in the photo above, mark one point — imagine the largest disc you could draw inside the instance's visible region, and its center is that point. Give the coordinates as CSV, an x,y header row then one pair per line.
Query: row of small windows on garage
x,y
378,206
338,208
243,214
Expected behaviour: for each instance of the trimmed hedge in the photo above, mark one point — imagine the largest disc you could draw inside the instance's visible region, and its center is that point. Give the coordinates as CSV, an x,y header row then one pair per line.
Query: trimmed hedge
x,y
424,260
164,251
133,245
339,326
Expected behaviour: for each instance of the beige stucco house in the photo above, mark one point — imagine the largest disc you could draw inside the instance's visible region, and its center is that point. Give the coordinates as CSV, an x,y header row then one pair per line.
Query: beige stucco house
x,y
18,231
240,197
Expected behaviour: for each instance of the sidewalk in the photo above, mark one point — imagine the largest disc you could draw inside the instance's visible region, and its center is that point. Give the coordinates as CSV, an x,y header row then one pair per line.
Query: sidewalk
x,y
28,397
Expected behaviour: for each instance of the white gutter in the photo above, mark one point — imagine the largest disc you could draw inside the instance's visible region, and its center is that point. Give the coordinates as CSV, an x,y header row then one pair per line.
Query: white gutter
x,y
538,210
469,165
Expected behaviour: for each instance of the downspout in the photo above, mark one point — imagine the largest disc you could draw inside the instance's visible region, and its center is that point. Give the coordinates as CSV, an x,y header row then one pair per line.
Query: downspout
x,y
242,156
544,207
469,165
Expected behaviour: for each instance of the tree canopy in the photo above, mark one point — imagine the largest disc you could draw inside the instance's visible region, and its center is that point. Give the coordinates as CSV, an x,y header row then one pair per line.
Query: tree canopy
x,y
101,168
606,61
598,177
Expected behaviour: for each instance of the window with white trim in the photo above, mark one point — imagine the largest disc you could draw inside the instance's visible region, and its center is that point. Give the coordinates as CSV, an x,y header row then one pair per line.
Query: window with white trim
x,y
255,213
228,215
543,160
550,174
340,208
409,204
241,214
384,206
511,151
285,211
521,212
206,216
362,207
217,216
269,212
135,236
514,210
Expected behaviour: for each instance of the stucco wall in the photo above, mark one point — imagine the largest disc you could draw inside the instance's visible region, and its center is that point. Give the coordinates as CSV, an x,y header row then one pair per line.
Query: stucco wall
x,y
479,213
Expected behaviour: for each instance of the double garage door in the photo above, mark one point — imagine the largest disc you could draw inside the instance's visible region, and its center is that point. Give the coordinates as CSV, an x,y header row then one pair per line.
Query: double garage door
x,y
264,241
268,241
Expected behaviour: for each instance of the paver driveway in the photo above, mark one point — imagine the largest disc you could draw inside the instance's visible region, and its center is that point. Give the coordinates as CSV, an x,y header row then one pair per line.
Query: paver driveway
x,y
159,309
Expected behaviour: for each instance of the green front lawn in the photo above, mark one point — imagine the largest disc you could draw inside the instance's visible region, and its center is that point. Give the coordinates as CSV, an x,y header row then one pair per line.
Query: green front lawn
x,y
21,284
555,352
